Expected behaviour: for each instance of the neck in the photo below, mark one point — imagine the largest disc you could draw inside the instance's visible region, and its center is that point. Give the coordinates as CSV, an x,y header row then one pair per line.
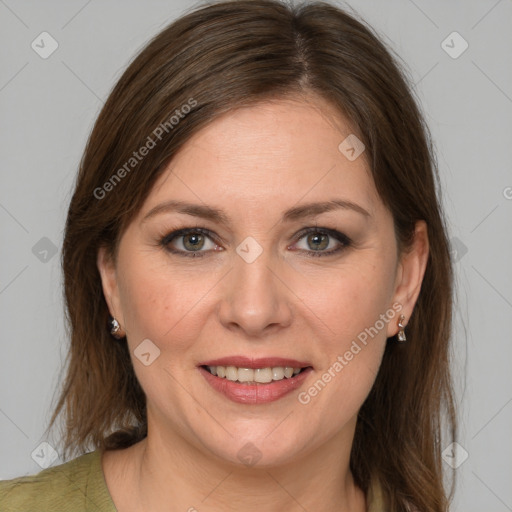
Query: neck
x,y
163,470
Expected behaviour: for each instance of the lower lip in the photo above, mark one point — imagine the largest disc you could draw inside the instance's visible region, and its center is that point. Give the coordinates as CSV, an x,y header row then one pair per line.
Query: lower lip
x,y
255,393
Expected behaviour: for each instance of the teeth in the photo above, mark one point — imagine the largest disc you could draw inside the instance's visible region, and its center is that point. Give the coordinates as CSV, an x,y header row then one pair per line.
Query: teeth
x,y
263,375
278,373
232,373
245,374
249,375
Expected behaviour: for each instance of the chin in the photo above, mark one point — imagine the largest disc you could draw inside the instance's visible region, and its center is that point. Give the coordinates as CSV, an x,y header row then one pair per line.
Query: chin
x,y
257,451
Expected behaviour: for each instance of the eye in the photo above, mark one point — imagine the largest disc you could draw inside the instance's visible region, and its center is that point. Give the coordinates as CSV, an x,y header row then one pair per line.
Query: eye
x,y
318,240
195,242
189,242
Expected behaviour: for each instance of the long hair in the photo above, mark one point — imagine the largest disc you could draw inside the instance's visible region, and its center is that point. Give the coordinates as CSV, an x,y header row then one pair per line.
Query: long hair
x,y
216,58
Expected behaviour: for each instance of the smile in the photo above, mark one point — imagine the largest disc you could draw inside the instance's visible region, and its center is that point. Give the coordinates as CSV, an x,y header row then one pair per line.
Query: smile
x,y
254,381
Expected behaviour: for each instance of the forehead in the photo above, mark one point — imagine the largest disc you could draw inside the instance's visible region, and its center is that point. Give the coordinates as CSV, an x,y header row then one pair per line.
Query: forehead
x,y
272,153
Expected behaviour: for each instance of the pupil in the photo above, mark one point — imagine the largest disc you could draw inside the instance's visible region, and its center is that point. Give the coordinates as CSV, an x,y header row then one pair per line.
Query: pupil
x,y
195,241
317,239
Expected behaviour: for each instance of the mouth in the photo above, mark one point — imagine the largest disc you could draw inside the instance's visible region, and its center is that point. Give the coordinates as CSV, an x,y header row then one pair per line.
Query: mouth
x,y
255,381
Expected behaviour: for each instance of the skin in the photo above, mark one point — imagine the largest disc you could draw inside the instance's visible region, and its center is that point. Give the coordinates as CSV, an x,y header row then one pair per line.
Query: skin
x,y
255,163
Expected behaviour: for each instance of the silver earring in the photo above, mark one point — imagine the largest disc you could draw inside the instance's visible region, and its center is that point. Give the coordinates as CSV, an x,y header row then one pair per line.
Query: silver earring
x,y
115,329
401,333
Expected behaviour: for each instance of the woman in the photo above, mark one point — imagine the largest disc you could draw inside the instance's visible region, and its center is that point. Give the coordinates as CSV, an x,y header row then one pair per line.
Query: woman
x,y
257,279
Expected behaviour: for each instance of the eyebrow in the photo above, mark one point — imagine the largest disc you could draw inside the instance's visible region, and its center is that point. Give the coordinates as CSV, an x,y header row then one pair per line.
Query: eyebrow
x,y
219,216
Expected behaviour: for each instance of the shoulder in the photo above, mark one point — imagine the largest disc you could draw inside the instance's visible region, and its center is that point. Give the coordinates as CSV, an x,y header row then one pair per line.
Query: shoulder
x,y
75,486
375,501
374,497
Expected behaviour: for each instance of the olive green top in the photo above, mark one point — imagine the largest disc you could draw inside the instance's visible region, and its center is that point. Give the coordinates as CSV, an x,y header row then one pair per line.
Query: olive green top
x,y
79,486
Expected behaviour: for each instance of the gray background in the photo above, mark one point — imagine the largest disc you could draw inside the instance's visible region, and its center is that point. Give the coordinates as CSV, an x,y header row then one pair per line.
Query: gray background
x,y
48,107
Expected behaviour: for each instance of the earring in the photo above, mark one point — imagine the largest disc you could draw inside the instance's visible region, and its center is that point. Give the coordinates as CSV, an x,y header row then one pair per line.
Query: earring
x,y
115,329
401,333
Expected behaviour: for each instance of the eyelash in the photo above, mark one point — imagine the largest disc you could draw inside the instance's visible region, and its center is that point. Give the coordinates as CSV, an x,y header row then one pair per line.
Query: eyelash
x,y
340,237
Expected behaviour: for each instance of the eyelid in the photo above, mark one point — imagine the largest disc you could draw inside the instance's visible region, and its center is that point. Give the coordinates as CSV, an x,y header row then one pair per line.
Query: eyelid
x,y
176,233
343,240
338,235
179,233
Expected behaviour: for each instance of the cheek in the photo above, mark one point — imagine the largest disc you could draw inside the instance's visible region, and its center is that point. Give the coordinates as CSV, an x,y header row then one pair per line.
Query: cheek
x,y
349,301
162,305
350,360
353,334
166,309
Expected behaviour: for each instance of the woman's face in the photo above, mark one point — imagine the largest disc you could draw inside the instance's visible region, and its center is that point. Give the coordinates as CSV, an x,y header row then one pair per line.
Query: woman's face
x,y
289,255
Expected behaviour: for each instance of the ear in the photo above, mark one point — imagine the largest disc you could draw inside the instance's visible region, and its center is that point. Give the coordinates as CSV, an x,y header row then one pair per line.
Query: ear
x,y
410,272
107,269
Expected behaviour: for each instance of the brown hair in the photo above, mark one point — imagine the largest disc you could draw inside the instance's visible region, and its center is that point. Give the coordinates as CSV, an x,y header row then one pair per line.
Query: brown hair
x,y
214,59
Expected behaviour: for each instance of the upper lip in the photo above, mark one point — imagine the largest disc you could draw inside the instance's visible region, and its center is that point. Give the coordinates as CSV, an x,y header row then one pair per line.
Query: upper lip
x,y
262,362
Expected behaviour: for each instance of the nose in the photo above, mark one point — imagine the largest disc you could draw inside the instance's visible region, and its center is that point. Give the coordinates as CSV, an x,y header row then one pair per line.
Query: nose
x,y
256,298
